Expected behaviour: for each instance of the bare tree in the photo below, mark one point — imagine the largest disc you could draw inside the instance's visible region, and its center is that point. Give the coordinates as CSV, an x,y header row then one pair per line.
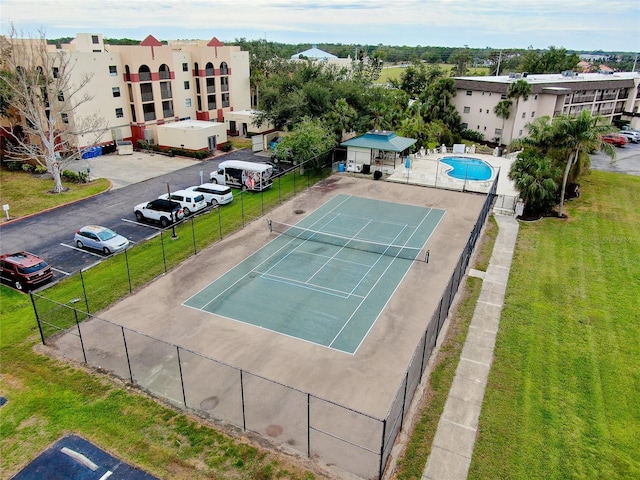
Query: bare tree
x,y
44,96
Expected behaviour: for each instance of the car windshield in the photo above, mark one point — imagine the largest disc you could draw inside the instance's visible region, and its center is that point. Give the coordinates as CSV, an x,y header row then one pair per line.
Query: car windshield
x,y
33,268
106,234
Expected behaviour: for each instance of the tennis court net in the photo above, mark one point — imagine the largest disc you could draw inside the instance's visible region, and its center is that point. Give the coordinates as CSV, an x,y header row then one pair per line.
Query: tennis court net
x,y
398,251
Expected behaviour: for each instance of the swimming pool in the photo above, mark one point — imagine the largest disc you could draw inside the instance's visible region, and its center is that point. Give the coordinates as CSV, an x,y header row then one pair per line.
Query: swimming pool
x,y
466,168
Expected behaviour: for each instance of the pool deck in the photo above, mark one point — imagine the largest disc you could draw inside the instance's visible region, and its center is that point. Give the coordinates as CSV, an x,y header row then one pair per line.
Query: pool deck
x,y
426,170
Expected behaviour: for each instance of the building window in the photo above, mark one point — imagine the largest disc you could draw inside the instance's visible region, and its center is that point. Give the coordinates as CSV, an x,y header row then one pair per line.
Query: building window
x,y
524,114
165,90
167,109
478,127
185,67
65,118
187,85
535,97
467,109
520,133
465,126
187,102
225,100
503,96
119,113
113,70
95,40
485,129
115,91
480,110
224,84
483,94
533,114
149,111
56,70
60,97
469,93
498,131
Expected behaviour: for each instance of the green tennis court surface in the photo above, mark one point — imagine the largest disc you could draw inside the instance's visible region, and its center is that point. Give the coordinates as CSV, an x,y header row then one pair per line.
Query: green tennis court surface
x,y
328,283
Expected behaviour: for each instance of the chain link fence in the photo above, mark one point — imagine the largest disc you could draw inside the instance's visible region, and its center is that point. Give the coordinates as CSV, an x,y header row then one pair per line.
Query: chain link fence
x,y
292,419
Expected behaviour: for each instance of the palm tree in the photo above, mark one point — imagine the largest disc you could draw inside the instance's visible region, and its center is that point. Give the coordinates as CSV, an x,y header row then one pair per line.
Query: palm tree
x,y
534,175
578,136
518,89
503,111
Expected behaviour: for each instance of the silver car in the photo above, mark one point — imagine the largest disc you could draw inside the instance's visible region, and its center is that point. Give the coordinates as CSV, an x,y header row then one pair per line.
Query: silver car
x,y
100,238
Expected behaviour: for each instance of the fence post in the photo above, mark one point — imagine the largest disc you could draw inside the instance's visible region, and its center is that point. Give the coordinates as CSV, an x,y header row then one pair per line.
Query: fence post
x,y
244,418
126,352
126,260
84,290
184,395
35,311
193,234
308,425
384,434
84,353
219,221
164,257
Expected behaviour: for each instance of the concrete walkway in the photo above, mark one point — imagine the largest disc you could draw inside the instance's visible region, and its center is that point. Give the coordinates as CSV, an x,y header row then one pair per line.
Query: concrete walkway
x,y
456,435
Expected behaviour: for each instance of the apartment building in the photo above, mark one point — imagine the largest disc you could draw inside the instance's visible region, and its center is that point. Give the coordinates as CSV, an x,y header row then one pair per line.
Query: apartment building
x,y
611,95
136,88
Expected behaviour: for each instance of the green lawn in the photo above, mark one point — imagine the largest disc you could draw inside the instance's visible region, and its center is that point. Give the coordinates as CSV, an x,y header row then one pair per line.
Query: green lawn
x,y
563,399
26,193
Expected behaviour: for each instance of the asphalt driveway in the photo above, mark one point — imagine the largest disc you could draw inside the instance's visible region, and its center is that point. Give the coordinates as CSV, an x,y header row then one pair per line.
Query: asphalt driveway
x,y
137,178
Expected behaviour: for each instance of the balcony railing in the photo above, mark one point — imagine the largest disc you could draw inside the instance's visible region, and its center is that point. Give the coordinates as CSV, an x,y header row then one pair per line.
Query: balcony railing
x,y
209,72
145,76
165,75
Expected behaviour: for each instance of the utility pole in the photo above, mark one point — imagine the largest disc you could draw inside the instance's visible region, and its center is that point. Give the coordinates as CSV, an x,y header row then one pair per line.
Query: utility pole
x,y
499,60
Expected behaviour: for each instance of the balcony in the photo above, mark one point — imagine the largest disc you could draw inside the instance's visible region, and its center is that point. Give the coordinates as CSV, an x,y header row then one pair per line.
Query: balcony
x,y
165,75
209,72
145,76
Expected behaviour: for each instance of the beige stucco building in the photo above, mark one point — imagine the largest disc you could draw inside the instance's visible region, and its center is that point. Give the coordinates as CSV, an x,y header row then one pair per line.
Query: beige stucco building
x,y
612,96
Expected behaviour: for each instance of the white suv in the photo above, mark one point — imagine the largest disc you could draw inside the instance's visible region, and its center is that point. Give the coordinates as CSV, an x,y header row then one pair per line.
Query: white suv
x,y
191,202
213,193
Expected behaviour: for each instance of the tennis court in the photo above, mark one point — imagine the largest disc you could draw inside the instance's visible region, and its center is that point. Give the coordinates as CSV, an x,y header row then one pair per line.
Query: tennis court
x,y
327,279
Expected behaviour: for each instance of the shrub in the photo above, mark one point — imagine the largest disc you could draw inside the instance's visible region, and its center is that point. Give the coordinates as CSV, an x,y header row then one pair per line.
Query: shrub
x,y
143,144
40,169
73,177
27,167
226,147
14,166
473,135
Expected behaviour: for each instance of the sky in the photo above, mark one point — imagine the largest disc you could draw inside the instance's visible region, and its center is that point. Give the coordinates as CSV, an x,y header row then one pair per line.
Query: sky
x,y
609,25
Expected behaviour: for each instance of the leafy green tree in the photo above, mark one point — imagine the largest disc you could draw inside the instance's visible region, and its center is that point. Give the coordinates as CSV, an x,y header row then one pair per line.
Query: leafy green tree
x,y
413,79
367,69
518,89
461,60
437,103
341,117
534,177
309,141
553,60
503,111
577,136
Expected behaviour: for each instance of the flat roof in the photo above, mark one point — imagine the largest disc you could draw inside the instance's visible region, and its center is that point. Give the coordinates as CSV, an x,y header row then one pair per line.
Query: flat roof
x,y
191,124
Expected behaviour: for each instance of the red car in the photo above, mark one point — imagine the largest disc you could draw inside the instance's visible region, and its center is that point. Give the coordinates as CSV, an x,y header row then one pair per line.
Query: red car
x,y
615,139
24,270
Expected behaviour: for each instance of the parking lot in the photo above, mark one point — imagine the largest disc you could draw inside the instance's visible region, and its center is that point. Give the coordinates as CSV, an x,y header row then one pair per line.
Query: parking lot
x,y
136,178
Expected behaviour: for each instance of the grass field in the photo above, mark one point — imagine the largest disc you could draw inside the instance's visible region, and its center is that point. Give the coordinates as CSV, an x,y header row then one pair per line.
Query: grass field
x,y
394,72
563,399
26,194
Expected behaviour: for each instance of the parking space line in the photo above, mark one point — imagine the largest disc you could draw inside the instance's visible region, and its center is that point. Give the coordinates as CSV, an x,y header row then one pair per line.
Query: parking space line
x,y
141,224
82,250
60,271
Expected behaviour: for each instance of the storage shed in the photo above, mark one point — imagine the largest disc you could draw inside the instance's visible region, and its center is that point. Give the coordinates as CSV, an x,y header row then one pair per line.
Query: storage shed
x,y
192,135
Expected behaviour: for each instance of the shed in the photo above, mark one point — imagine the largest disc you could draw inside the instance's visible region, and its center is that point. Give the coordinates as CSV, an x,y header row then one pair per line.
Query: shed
x,y
376,146
243,122
192,135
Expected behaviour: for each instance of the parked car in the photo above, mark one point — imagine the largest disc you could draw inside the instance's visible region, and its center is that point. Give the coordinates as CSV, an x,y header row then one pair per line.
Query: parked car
x,y
191,202
162,211
24,270
615,139
631,135
213,193
100,238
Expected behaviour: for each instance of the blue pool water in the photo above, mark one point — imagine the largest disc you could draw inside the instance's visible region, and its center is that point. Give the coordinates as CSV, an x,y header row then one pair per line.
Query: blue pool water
x,y
465,168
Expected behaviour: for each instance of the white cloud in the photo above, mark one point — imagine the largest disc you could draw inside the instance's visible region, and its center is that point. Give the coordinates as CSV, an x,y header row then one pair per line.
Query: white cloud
x,y
589,24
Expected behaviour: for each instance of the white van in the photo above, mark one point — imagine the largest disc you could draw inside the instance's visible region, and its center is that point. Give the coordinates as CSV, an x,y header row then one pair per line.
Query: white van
x,y
244,175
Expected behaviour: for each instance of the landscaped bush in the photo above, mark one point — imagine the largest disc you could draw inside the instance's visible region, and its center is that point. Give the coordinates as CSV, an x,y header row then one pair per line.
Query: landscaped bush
x,y
14,166
27,167
40,169
226,147
73,177
473,135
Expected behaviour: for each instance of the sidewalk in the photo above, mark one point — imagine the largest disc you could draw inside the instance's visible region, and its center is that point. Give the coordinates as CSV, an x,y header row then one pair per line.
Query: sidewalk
x,y
455,438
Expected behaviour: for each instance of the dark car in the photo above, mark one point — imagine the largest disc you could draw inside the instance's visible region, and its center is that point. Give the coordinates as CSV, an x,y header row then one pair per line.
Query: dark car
x,y
24,270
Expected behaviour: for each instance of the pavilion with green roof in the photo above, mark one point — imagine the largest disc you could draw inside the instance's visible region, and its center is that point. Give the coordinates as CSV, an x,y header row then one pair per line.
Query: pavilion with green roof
x,y
377,146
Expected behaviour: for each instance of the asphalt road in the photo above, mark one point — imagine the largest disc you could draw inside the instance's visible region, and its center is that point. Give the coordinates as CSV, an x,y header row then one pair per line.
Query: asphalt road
x,y
627,160
50,234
